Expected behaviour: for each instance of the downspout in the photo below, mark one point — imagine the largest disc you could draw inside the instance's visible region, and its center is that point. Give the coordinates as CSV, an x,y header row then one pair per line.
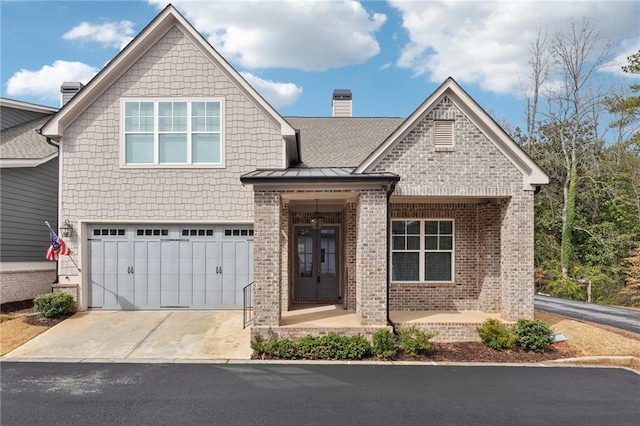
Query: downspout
x,y
390,188
52,143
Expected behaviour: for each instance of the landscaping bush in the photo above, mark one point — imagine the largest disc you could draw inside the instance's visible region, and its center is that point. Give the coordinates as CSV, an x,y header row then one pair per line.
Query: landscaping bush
x,y
533,335
496,335
52,305
384,344
414,341
331,346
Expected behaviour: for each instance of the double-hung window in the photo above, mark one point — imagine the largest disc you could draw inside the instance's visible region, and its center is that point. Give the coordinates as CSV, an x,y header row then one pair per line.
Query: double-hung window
x,y
422,250
168,132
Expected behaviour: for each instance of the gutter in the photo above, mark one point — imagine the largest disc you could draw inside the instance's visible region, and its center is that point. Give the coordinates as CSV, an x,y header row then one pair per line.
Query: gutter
x,y
390,189
49,141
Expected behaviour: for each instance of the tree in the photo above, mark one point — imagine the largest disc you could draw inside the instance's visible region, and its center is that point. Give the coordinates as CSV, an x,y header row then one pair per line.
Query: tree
x,y
577,54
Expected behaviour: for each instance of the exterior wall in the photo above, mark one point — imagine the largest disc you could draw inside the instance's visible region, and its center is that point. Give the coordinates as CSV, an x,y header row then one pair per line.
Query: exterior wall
x,y
11,117
24,285
28,197
95,187
517,257
371,258
266,260
476,279
474,167
350,236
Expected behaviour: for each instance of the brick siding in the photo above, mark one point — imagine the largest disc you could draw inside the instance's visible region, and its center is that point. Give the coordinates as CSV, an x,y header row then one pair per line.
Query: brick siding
x,y
24,285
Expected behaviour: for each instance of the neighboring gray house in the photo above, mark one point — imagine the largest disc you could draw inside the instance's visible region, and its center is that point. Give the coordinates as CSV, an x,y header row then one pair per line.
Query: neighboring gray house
x,y
184,185
28,197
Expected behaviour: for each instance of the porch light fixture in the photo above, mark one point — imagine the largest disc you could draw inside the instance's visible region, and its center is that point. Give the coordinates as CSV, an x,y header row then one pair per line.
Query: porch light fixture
x,y
66,230
317,219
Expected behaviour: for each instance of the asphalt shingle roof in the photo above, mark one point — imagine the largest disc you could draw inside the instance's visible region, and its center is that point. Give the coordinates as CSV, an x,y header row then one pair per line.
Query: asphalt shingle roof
x,y
341,141
23,143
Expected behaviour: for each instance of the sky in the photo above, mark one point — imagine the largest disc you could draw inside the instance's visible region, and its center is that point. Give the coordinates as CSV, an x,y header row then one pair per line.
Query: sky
x,y
391,54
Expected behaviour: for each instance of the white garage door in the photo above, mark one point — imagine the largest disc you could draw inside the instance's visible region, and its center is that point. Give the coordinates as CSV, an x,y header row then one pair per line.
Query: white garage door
x,y
159,266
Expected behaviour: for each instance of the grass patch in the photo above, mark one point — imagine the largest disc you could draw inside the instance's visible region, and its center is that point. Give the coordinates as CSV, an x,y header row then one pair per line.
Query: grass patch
x,y
15,331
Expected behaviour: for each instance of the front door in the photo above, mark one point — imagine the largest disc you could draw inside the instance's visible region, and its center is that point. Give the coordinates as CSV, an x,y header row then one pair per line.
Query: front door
x,y
316,264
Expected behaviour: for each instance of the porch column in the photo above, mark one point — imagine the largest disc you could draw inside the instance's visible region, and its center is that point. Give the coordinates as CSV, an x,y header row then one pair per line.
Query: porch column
x,y
517,256
371,257
266,260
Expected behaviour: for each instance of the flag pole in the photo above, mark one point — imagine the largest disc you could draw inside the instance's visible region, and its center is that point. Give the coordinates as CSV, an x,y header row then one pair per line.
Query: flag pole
x,y
70,258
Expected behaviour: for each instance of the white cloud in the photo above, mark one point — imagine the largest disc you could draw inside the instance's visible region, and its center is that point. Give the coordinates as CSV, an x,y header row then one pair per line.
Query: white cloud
x,y
487,43
108,34
306,35
45,83
277,94
627,48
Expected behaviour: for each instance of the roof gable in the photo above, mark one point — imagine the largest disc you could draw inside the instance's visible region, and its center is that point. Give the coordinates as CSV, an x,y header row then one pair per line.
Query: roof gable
x,y
147,38
533,175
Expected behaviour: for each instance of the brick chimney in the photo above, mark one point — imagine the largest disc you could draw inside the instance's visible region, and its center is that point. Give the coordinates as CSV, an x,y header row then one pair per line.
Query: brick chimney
x,y
68,90
341,103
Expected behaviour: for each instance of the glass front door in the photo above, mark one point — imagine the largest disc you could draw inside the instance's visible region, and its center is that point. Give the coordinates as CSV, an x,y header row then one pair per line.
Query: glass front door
x,y
316,263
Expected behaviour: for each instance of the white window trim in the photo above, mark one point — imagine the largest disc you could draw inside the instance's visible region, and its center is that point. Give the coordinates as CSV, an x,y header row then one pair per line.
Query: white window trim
x,y
156,164
422,250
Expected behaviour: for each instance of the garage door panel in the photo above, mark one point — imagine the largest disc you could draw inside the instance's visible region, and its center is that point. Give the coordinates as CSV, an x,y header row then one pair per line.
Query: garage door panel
x,y
96,266
153,267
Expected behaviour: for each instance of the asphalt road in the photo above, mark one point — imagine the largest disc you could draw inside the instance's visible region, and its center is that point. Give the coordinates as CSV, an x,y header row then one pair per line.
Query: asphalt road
x,y
314,394
626,319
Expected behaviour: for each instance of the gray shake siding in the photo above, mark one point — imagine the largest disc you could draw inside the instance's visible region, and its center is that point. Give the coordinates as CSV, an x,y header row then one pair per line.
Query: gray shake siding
x,y
96,187
29,196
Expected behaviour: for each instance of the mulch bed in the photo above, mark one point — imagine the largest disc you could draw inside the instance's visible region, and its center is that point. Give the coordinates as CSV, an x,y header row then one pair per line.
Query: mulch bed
x,y
16,307
46,322
477,352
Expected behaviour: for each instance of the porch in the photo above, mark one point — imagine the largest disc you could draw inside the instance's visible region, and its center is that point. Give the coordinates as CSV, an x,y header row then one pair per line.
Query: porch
x,y
321,319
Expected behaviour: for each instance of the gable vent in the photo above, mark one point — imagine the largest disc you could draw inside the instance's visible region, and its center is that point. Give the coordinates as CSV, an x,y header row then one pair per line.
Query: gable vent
x,y
443,134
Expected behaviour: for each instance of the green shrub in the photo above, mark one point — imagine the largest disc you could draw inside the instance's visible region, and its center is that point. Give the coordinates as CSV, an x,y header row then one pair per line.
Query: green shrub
x,y
496,335
54,304
331,346
258,345
566,288
414,341
384,344
533,335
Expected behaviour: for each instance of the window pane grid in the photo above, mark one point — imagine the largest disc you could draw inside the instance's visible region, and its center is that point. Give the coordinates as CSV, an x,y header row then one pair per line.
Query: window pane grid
x,y
422,250
172,132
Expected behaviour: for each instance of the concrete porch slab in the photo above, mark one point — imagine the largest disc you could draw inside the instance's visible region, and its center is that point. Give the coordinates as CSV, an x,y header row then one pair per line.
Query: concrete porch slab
x,y
123,335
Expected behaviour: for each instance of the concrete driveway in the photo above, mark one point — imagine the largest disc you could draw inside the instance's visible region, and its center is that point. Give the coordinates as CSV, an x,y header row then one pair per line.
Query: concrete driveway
x,y
141,336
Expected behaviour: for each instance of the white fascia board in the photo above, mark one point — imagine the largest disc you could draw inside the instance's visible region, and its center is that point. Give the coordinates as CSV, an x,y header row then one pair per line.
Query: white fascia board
x,y
166,20
19,162
26,106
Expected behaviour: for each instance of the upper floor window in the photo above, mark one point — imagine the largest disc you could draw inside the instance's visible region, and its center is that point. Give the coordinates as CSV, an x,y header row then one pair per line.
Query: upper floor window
x,y
173,132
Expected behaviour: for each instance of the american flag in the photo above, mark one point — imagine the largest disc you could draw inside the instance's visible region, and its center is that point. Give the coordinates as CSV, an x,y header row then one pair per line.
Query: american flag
x,y
57,247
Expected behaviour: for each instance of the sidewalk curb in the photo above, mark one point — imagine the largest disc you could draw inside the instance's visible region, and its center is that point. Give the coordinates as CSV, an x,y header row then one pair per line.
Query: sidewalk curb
x,y
626,362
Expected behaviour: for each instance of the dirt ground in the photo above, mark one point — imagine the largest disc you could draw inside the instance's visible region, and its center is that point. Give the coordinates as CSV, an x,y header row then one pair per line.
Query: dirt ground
x,y
588,339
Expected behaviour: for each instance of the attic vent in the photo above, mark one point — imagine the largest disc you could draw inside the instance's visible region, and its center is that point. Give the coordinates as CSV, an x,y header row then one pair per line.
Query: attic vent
x,y
443,134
